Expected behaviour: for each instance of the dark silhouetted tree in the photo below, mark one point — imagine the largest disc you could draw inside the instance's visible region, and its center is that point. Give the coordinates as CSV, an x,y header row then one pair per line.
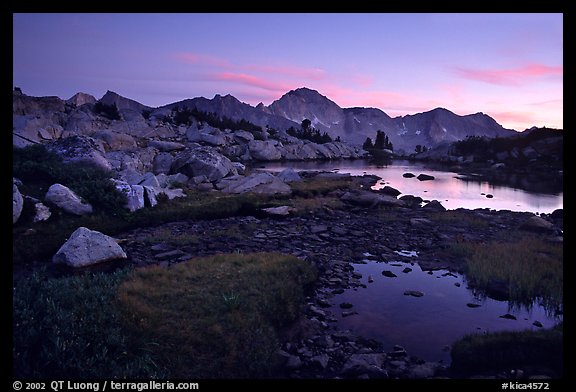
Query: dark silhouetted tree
x,y
306,124
382,142
368,144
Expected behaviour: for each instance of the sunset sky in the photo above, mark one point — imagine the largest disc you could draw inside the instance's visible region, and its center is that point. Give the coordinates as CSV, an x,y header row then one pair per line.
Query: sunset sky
x,y
509,66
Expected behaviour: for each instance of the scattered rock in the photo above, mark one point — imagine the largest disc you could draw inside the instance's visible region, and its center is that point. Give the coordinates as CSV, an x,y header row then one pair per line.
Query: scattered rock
x,y
162,163
87,247
202,161
537,324
370,364
264,150
489,196
81,150
388,190
261,182
420,221
64,198
41,212
414,293
318,229
425,177
434,205
471,305
346,305
389,274
508,316
411,200
116,141
279,211
165,146
289,175
371,199
538,225
407,270
408,175
134,195
172,254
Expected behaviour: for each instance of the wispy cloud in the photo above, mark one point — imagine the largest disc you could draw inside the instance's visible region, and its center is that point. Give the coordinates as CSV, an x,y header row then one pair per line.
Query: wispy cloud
x,y
251,80
510,77
513,117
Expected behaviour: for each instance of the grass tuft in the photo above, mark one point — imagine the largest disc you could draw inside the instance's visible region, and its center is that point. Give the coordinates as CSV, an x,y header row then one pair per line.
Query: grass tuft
x,y
313,187
530,267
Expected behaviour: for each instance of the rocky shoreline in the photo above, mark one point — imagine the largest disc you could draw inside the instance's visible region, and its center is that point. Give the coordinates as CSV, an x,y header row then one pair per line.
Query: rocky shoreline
x,y
331,239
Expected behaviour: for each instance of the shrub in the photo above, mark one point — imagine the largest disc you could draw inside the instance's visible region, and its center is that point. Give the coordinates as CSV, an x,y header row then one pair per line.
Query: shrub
x,y
39,168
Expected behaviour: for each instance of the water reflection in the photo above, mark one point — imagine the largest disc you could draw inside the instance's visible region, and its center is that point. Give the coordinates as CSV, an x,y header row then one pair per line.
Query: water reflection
x,y
427,326
452,190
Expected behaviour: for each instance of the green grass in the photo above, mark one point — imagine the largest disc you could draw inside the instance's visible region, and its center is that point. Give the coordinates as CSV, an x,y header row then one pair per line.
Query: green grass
x,y
69,328
530,266
216,317
313,187
538,351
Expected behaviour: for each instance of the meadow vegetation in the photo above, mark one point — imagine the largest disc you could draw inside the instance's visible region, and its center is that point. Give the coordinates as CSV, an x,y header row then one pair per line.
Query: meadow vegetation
x,y
530,266
540,352
212,317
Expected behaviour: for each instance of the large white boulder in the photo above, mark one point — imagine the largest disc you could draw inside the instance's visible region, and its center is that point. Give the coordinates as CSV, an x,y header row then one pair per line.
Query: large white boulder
x,y
86,247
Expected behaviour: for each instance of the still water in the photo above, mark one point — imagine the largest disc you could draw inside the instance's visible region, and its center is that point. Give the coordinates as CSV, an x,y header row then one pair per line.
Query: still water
x,y
426,326
449,188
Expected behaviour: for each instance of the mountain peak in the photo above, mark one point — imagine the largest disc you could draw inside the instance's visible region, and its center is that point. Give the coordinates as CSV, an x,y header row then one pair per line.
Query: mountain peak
x,y
306,93
80,99
112,98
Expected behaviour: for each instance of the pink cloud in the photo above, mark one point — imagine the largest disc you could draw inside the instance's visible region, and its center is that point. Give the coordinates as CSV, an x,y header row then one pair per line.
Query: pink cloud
x,y
510,77
251,80
513,117
347,97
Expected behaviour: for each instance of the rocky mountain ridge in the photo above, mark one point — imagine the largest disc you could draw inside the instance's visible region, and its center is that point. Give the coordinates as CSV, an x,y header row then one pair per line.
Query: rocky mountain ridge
x,y
405,132
352,125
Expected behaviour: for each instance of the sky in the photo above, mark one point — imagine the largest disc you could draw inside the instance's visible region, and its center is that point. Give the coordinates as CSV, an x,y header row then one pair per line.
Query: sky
x,y
509,66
